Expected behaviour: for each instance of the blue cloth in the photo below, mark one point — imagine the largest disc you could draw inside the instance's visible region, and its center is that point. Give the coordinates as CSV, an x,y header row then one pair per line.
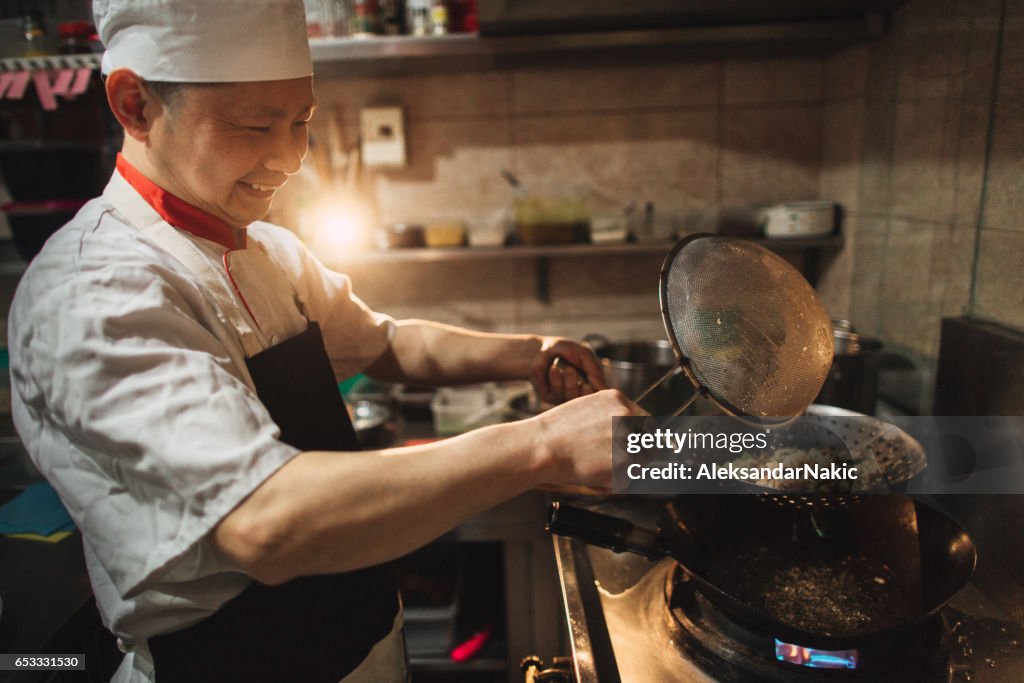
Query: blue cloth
x,y
36,510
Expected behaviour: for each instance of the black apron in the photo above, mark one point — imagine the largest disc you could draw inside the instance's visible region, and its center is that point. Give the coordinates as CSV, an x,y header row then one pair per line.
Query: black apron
x,y
311,629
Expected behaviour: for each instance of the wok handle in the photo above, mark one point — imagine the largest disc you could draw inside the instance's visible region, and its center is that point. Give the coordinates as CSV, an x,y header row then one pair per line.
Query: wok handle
x,y
614,533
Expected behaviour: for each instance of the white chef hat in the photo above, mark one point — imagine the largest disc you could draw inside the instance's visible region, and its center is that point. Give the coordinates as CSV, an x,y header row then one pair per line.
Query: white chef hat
x,y
205,41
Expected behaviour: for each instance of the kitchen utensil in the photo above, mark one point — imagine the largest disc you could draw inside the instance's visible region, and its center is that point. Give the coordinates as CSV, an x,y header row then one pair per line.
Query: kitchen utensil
x,y
403,236
898,456
799,219
445,234
852,380
370,419
887,564
460,409
747,328
631,366
549,216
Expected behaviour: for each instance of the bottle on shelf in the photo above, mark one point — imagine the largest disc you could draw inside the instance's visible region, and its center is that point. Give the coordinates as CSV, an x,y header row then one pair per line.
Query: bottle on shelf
x,y
439,17
365,15
36,43
75,37
418,17
392,17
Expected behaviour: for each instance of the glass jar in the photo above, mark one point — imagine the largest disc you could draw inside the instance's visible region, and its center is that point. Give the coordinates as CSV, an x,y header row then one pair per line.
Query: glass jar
x,y
75,37
418,17
364,18
36,41
439,18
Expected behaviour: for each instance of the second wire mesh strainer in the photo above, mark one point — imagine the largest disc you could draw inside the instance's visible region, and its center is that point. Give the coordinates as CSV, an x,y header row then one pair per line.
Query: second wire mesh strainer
x,y
747,328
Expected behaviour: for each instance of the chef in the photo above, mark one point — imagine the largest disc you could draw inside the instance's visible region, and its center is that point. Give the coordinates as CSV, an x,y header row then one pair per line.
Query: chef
x,y
175,364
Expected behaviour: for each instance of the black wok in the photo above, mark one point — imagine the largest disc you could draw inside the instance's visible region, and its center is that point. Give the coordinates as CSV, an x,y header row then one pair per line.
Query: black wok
x,y
834,579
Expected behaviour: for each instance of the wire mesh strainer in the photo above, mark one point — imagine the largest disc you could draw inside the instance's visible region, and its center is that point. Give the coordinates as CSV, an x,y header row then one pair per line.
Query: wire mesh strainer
x,y
885,455
747,328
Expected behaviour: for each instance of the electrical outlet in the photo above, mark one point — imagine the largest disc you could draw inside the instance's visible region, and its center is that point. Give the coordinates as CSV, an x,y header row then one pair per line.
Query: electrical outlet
x,y
383,136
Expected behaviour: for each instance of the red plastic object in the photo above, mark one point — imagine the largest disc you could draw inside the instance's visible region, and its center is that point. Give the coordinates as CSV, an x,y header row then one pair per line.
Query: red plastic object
x,y
472,647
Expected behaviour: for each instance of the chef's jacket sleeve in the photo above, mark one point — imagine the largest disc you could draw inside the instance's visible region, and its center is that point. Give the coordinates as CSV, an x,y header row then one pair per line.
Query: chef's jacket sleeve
x,y
354,335
137,414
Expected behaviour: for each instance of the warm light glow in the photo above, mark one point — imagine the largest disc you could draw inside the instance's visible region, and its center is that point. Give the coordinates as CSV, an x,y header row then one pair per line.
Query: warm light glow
x,y
335,227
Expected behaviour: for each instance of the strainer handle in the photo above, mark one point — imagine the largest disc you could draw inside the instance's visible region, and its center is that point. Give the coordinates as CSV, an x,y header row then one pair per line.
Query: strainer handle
x,y
657,383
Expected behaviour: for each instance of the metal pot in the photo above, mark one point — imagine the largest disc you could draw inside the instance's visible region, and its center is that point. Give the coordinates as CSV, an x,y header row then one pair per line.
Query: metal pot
x,y
633,366
852,380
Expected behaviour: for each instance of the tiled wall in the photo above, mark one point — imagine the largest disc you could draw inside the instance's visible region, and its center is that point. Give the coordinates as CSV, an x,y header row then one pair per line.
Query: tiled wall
x,y
917,134
688,136
922,142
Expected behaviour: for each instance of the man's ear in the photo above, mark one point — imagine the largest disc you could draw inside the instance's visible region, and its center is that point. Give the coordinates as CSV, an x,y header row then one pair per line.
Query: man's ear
x,y
135,106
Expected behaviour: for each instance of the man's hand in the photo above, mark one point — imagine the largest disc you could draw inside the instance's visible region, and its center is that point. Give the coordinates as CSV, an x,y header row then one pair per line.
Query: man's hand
x,y
564,370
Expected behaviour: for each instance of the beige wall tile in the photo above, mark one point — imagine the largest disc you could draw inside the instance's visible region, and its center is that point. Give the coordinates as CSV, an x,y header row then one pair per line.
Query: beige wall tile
x,y
771,154
950,275
970,163
846,73
933,38
869,254
1013,36
454,172
905,317
883,72
479,294
616,329
985,28
842,145
665,157
923,170
591,287
879,125
678,85
772,81
999,291
424,96
1004,195
835,285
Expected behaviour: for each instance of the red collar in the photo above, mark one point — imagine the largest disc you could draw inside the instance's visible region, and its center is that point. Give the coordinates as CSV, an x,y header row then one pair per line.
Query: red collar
x,y
178,212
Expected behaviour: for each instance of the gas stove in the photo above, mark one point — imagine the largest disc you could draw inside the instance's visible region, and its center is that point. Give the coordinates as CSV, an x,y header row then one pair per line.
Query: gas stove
x,y
634,620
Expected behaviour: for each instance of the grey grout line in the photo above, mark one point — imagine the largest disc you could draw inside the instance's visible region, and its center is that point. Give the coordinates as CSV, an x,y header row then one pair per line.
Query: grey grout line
x,y
720,133
989,135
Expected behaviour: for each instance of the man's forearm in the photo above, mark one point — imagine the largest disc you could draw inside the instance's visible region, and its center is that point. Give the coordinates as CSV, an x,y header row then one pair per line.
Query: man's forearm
x,y
328,512
423,352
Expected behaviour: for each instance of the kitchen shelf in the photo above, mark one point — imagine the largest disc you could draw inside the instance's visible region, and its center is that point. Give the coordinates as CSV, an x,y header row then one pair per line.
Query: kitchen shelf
x,y
472,44
47,62
434,255
378,50
811,247
465,49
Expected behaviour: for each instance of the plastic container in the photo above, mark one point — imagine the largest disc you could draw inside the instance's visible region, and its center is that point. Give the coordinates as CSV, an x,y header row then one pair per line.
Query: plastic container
x,y
403,236
431,581
551,219
446,234
461,409
799,219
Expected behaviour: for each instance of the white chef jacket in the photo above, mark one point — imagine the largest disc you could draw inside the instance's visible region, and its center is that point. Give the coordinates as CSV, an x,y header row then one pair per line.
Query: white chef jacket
x,y
131,395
